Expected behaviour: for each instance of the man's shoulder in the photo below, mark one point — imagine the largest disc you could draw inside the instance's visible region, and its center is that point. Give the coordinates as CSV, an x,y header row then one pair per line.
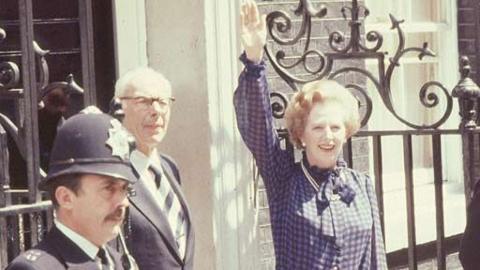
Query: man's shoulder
x,y
168,159
170,166
35,259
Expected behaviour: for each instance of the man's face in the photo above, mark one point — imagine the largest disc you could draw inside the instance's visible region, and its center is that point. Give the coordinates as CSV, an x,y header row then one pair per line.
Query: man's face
x,y
147,120
99,207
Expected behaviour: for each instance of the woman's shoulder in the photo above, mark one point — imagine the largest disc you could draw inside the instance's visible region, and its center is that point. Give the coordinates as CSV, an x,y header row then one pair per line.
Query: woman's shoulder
x,y
352,175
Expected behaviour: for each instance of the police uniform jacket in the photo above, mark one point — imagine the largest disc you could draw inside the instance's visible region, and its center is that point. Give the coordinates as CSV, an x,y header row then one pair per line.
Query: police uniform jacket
x,y
149,237
57,251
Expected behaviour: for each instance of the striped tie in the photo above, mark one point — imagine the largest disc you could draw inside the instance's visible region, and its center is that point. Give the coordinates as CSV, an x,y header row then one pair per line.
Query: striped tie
x,y
172,209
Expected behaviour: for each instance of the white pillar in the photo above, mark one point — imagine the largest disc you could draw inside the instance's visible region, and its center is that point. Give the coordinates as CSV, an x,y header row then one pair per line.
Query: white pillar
x,y
194,44
130,39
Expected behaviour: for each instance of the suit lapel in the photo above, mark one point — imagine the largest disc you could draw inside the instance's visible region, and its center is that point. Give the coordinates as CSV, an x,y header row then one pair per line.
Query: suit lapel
x,y
178,191
144,202
116,258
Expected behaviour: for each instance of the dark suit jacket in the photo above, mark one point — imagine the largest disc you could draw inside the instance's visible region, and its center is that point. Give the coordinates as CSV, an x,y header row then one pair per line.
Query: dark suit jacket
x,y
149,237
470,246
57,251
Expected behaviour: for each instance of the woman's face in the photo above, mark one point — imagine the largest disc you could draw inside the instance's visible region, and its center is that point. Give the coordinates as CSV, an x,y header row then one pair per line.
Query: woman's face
x,y
324,134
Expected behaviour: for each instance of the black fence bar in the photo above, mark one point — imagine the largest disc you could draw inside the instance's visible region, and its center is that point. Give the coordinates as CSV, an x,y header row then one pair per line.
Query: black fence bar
x,y
364,133
438,181
30,95
378,170
426,251
22,226
408,168
469,173
348,153
3,243
87,51
4,174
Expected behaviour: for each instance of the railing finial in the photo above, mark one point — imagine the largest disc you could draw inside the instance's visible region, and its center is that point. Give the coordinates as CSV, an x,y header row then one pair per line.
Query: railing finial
x,y
468,94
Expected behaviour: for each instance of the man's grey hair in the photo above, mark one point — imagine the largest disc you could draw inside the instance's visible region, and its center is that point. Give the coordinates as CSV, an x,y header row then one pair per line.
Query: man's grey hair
x,y
138,78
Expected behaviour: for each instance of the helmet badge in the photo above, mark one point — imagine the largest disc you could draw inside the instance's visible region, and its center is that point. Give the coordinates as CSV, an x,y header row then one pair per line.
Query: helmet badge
x,y
118,140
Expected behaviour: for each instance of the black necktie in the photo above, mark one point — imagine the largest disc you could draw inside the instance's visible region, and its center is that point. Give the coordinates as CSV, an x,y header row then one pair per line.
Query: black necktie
x,y
102,260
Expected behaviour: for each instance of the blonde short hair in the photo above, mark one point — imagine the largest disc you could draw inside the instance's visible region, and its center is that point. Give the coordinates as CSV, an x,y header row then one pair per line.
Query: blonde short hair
x,y
315,92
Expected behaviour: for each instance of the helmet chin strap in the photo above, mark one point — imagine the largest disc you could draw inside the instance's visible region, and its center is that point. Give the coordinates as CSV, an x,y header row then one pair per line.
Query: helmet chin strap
x,y
128,262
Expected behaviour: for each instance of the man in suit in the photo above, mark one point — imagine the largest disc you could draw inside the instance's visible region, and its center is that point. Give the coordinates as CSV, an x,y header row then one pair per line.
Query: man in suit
x,y
88,181
160,233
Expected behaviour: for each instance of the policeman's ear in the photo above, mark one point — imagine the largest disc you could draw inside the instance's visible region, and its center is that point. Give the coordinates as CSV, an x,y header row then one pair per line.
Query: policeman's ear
x,y
65,197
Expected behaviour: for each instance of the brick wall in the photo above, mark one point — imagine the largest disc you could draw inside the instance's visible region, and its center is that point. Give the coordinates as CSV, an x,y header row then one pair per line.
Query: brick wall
x,y
468,33
320,30
469,45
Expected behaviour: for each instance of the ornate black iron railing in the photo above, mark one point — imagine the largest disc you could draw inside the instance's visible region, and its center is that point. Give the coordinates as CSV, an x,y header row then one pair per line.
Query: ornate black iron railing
x,y
279,25
25,87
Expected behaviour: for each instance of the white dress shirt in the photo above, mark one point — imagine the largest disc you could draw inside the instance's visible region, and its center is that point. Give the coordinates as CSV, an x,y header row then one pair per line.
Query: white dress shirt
x,y
141,163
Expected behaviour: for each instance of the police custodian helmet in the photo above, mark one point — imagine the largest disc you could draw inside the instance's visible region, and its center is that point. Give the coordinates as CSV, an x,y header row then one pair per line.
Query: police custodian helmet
x,y
91,143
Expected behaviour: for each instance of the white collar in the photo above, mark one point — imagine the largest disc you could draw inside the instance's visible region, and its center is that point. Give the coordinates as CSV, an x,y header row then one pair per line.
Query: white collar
x,y
88,247
141,162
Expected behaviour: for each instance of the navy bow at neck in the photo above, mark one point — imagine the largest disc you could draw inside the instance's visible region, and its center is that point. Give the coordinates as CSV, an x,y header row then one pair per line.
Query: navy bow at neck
x,y
333,177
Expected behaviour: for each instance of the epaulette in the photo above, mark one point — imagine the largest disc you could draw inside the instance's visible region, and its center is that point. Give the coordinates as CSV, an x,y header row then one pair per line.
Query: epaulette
x,y
32,255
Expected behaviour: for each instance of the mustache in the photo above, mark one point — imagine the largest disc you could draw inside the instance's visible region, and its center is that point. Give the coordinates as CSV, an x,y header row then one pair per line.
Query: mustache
x,y
117,214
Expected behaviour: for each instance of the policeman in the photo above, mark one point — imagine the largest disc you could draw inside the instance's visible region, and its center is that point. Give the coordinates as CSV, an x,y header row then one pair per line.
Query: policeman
x,y
88,182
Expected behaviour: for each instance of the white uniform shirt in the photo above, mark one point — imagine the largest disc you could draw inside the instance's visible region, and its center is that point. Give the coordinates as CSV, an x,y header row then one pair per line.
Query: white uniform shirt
x,y
85,245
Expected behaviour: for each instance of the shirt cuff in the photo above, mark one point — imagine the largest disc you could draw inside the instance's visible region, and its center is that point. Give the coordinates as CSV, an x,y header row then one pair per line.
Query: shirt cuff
x,y
253,69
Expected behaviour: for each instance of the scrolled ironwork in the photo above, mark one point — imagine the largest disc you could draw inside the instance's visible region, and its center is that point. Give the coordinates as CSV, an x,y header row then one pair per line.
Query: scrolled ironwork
x,y
345,47
279,102
69,86
279,21
42,65
373,36
12,129
9,75
3,34
336,39
280,56
368,100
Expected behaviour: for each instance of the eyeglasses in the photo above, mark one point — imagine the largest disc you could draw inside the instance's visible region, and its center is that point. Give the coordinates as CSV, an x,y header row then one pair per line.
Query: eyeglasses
x,y
146,103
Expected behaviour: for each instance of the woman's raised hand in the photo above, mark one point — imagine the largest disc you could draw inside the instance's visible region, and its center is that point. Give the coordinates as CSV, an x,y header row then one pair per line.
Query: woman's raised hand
x,y
253,31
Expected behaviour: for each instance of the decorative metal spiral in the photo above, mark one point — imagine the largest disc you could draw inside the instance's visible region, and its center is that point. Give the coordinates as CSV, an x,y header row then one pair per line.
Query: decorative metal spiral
x,y
3,34
365,96
315,54
279,103
280,22
9,75
336,39
373,36
42,65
